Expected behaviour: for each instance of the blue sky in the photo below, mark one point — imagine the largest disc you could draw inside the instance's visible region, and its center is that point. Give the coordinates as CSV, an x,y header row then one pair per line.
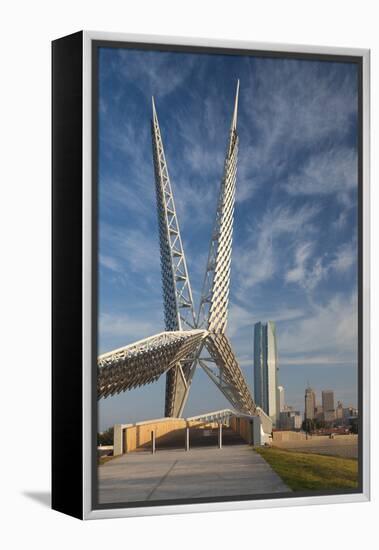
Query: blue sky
x,y
295,232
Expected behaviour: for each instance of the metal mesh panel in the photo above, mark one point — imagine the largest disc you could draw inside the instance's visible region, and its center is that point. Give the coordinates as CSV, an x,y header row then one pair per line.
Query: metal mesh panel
x,y
145,361
215,294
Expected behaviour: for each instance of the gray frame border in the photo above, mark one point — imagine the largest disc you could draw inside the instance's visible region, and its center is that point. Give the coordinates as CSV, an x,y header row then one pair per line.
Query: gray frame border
x,y
88,512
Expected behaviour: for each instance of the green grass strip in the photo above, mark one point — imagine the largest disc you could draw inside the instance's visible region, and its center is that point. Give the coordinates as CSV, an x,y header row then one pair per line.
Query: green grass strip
x,y
307,472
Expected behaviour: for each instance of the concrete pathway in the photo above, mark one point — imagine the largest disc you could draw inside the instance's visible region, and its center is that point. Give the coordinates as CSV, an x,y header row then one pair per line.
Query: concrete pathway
x,y
177,474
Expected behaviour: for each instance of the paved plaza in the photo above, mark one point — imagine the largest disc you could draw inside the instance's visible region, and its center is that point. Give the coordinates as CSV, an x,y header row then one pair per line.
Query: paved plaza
x,y
177,474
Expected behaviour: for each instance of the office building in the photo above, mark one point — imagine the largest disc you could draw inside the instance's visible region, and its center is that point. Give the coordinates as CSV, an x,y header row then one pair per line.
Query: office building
x,y
290,420
328,400
310,404
348,414
330,416
328,405
339,411
281,399
319,412
265,369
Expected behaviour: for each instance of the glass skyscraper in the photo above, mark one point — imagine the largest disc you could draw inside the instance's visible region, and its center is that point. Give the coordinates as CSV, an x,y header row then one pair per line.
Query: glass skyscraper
x,y
265,369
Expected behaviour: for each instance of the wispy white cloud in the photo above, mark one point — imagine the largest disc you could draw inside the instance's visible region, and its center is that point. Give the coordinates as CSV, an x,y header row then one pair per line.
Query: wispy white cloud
x,y
135,197
133,250
330,329
258,259
345,257
340,222
308,270
328,172
289,109
248,181
121,329
240,317
296,112
109,262
195,206
297,273
162,72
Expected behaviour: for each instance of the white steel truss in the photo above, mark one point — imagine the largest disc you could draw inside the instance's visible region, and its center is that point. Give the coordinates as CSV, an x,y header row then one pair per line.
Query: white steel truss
x,y
177,293
178,351
145,361
223,415
223,369
215,295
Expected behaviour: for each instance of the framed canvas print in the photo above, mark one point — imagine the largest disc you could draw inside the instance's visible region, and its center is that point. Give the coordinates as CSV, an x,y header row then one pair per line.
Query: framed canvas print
x,y
210,275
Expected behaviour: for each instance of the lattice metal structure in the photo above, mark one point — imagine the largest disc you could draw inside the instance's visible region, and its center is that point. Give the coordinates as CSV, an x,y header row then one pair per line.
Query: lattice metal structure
x,y
189,340
145,361
215,295
177,294
225,372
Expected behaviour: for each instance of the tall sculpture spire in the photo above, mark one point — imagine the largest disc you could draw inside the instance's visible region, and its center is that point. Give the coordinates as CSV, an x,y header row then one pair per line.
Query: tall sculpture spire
x,y
177,293
180,348
215,295
233,126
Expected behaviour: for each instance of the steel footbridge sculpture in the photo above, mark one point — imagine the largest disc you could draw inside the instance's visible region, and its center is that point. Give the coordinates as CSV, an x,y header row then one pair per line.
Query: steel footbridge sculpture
x,y
191,339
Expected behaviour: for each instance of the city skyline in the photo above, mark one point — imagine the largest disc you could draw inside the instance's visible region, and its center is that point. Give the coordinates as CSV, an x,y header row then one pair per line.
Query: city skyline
x,y
296,185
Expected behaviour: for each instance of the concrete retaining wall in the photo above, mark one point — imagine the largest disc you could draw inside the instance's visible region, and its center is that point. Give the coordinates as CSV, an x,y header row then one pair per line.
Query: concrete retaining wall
x,y
131,437
251,430
242,427
287,436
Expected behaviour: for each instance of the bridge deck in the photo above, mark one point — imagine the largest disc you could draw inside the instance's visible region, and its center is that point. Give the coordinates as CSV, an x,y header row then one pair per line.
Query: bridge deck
x,y
176,474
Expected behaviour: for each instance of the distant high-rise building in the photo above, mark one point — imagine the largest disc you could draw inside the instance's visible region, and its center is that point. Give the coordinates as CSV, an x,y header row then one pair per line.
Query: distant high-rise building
x,y
319,412
328,400
339,411
281,399
265,369
290,420
310,404
328,405
349,413
330,416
